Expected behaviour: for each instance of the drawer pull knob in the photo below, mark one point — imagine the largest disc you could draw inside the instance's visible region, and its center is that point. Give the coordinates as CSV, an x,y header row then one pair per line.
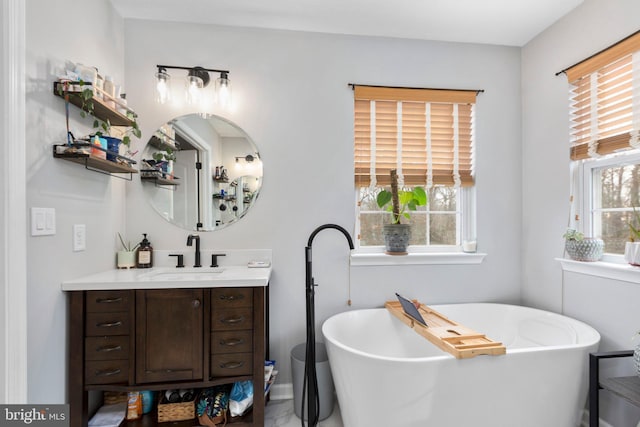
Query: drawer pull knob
x,y
108,300
231,297
232,342
233,320
108,348
231,365
109,324
195,303
107,372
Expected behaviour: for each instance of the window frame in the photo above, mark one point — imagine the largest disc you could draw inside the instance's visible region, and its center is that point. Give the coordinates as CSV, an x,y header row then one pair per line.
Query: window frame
x,y
584,175
465,228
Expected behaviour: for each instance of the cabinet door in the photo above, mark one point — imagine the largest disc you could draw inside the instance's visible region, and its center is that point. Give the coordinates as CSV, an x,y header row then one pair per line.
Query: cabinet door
x,y
169,335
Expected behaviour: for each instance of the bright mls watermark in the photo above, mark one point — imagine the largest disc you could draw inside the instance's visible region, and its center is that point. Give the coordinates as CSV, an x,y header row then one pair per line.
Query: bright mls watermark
x,y
34,415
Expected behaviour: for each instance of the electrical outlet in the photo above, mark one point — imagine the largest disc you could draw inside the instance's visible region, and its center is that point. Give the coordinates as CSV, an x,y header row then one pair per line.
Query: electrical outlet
x,y
79,237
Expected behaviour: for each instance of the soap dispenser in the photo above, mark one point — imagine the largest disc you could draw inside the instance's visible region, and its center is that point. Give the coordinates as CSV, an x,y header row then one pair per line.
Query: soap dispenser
x,y
144,254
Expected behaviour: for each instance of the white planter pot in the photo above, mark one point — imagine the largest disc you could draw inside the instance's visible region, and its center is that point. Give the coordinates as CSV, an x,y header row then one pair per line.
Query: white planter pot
x,y
587,249
632,253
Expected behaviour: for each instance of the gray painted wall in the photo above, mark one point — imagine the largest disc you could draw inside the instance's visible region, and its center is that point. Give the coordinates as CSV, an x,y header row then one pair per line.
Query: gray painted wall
x,y
294,101
58,32
606,304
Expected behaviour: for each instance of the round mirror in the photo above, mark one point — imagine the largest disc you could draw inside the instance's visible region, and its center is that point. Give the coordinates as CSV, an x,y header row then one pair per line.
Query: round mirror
x,y
201,172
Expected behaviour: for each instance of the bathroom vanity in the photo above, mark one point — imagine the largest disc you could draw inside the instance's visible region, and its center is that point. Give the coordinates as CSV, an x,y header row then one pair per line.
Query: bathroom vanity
x,y
159,329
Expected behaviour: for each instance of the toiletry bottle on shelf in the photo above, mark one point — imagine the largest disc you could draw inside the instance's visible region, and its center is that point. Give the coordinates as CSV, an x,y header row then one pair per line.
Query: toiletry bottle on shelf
x,y
122,105
144,254
110,90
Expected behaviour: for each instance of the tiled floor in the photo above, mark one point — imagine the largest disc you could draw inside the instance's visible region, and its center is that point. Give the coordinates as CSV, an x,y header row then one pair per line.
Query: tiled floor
x,y
280,413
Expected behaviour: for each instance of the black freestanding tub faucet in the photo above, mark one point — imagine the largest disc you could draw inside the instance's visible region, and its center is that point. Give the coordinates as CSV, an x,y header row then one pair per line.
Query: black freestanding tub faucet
x,y
310,383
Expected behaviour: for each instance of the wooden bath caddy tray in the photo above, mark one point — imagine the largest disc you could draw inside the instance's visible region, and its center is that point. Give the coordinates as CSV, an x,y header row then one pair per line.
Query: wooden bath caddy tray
x,y
450,336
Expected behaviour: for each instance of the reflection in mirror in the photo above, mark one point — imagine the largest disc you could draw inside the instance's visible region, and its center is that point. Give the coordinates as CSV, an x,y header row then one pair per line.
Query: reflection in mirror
x,y
201,172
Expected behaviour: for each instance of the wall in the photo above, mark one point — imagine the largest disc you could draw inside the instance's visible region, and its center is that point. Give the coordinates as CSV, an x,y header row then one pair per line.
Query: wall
x,y
292,97
90,33
605,304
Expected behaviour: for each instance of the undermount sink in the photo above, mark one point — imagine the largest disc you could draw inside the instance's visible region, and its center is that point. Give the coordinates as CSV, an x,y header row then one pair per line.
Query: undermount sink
x,y
203,273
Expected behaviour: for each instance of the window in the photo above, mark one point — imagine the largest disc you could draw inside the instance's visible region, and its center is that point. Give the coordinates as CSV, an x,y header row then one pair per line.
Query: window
x,y
611,191
605,129
427,136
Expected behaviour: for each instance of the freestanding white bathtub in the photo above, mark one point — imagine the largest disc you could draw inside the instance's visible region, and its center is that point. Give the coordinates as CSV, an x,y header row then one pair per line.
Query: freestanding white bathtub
x,y
386,375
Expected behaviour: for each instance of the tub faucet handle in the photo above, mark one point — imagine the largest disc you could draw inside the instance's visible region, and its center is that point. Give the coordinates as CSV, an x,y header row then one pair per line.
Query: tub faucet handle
x,y
214,259
180,260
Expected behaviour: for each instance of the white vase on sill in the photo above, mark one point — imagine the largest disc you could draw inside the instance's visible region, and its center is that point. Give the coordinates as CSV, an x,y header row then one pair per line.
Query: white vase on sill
x,y
632,253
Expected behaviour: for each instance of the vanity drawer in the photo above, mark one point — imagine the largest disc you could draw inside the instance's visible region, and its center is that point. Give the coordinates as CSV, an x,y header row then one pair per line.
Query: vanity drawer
x,y
106,348
233,319
231,342
99,324
107,301
231,297
106,371
227,365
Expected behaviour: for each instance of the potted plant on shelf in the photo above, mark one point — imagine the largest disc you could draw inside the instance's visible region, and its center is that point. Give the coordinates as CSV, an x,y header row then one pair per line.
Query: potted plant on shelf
x,y
399,203
582,248
164,160
632,247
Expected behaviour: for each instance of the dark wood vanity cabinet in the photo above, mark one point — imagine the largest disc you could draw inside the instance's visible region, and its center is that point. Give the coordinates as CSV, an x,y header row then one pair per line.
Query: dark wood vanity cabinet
x,y
127,340
169,335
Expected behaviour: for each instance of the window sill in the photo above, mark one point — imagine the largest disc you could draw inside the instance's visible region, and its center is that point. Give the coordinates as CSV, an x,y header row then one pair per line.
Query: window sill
x,y
442,258
608,270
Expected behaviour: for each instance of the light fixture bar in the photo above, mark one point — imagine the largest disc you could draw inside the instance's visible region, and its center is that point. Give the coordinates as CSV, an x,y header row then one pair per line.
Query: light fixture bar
x,y
175,67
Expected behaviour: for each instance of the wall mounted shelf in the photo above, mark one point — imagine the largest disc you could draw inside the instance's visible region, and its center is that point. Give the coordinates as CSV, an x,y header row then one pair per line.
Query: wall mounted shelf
x,y
94,163
160,181
100,109
163,144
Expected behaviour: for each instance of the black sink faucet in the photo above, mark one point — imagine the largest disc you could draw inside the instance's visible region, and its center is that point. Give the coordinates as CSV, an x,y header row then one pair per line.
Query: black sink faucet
x,y
190,240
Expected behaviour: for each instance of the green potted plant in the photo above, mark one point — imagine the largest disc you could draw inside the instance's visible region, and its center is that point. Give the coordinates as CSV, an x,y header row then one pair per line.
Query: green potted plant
x,y
582,248
164,160
632,247
399,203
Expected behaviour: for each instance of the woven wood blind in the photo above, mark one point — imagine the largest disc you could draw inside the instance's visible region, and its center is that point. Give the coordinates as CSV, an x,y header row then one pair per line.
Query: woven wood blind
x,y
605,101
426,134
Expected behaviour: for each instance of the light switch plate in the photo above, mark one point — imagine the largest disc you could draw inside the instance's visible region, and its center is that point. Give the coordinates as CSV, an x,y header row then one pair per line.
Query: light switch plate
x,y
43,221
79,237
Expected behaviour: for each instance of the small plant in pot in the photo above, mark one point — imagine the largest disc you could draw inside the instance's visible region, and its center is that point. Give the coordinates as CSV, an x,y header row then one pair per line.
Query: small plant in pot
x,y
399,203
582,248
164,161
632,247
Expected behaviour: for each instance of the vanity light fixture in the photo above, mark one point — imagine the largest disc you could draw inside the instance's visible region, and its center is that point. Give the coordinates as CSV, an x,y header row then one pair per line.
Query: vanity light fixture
x,y
197,79
248,158
163,86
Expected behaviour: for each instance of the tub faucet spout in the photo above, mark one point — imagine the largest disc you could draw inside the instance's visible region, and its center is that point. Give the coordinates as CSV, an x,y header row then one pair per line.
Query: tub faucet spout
x,y
190,240
310,384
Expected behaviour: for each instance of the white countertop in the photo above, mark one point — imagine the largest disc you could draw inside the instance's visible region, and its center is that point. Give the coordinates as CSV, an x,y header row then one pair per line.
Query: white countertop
x,y
171,277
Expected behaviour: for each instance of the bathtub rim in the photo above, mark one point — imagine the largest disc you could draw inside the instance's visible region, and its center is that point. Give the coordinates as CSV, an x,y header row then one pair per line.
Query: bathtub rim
x,y
445,355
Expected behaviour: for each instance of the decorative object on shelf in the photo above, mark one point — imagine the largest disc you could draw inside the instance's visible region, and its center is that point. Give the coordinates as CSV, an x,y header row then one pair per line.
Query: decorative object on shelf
x,y
582,248
632,247
197,79
398,203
